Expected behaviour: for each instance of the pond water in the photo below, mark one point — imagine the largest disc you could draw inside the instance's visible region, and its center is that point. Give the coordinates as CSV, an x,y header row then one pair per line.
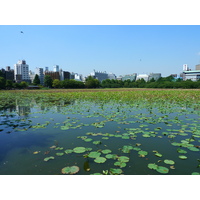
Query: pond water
x,y
129,139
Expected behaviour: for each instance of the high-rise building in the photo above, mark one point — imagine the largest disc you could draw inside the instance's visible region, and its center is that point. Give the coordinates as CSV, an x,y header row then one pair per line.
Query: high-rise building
x,y
64,75
21,69
99,75
185,67
56,68
40,73
131,77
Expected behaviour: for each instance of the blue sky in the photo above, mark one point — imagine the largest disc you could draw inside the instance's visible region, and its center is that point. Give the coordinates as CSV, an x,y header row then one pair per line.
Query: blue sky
x,y
120,49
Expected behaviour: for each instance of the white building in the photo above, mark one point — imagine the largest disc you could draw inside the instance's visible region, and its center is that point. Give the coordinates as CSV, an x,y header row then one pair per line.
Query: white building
x,y
144,76
112,76
21,71
56,68
191,75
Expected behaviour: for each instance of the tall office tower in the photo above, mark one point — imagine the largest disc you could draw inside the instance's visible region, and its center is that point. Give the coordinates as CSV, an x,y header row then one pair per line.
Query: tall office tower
x,y
185,67
56,68
46,69
21,70
39,72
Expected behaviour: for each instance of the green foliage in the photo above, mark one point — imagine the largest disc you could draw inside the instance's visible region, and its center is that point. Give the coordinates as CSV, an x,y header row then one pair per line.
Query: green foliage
x,y
36,80
48,81
9,84
92,83
2,83
23,84
56,83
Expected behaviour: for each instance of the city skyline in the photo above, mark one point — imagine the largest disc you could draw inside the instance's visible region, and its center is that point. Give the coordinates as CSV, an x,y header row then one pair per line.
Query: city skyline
x,y
119,49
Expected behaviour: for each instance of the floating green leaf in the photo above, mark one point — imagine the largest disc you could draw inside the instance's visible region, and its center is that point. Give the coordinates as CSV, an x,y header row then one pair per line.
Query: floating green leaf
x,y
88,140
162,170
158,154
79,150
120,164
126,149
142,153
195,173
48,158
67,151
111,156
97,142
183,157
106,151
70,170
181,151
114,171
170,162
59,154
152,166
100,160
123,159
94,154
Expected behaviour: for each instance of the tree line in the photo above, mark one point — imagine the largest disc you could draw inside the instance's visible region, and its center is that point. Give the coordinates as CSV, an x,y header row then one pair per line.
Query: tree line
x,y
90,82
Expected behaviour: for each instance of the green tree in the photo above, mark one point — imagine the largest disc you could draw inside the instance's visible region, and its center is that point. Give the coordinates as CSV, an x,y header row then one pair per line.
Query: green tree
x,y
92,82
23,84
2,83
48,81
56,83
36,80
9,84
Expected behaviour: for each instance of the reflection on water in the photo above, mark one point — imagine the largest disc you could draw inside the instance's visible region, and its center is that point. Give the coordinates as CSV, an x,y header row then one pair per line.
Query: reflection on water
x,y
33,130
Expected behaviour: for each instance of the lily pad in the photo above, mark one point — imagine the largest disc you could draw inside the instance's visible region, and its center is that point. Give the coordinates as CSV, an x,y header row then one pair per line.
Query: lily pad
x,y
126,149
162,170
111,156
49,158
106,151
59,154
100,160
193,149
94,154
120,164
79,150
114,171
67,151
170,162
70,170
183,157
88,140
195,173
152,166
158,154
123,159
143,153
97,142
181,151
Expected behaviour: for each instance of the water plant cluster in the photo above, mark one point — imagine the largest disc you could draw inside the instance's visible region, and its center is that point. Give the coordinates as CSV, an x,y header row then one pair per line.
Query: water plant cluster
x,y
102,132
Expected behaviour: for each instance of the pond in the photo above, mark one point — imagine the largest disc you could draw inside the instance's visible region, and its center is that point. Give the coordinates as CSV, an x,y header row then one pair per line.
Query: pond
x,y
87,137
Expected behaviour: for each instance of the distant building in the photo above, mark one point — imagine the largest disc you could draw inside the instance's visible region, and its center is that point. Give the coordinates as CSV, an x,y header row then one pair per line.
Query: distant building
x,y
197,67
8,74
99,75
78,77
143,76
155,76
46,69
112,76
53,75
31,76
191,75
185,67
21,71
131,77
40,73
56,68
64,75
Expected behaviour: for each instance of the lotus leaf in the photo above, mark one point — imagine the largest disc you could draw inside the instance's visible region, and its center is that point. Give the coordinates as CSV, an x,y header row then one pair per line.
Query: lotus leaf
x,y
158,154
123,159
193,149
94,154
88,149
170,162
88,140
59,154
125,137
195,173
105,138
70,170
144,153
162,169
181,151
111,156
79,150
100,160
183,157
96,174
67,151
97,142
106,151
114,171
126,149
120,164
152,166
49,158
